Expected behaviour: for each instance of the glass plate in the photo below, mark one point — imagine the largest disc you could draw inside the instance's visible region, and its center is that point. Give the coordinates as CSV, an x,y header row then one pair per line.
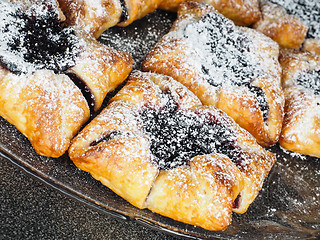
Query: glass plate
x,y
288,206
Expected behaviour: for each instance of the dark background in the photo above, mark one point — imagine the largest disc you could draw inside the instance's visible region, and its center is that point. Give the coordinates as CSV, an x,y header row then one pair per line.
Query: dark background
x,y
30,209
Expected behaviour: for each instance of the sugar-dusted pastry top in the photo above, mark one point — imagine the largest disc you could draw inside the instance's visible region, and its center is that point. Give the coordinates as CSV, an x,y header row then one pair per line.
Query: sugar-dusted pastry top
x,y
233,68
156,146
301,82
54,74
33,39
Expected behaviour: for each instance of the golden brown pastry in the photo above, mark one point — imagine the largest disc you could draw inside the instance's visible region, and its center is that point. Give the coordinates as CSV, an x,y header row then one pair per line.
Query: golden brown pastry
x,y
301,83
242,12
46,107
51,76
156,146
287,30
233,68
95,17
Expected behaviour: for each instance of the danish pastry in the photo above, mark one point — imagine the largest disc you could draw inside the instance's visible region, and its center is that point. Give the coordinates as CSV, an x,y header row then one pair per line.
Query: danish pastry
x,y
43,65
156,146
287,30
233,68
301,83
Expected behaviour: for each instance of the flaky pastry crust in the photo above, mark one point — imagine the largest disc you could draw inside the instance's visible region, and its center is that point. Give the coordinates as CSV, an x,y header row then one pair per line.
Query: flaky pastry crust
x,y
49,105
46,107
301,128
116,149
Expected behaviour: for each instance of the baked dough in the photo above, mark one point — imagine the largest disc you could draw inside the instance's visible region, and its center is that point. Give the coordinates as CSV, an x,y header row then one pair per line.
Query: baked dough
x,y
156,146
289,31
95,17
51,76
301,83
233,68
242,12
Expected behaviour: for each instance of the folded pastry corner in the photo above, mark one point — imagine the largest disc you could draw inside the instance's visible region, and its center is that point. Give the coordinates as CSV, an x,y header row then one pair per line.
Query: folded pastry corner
x,y
46,107
157,147
301,83
233,68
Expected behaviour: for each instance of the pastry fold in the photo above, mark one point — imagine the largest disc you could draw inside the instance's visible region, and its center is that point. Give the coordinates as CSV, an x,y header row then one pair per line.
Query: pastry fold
x,y
46,107
120,149
233,68
300,80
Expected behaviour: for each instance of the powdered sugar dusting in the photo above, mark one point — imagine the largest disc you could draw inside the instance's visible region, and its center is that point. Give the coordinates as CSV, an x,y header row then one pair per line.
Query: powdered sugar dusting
x,y
221,53
34,39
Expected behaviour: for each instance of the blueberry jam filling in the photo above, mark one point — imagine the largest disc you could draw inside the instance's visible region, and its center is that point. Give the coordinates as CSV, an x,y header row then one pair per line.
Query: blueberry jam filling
x,y
225,54
176,136
108,137
260,96
85,90
34,39
310,80
124,12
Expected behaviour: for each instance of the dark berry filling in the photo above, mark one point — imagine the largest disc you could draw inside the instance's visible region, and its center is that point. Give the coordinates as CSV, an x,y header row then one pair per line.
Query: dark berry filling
x,y
34,39
261,98
176,136
225,55
124,12
85,90
235,203
310,80
107,137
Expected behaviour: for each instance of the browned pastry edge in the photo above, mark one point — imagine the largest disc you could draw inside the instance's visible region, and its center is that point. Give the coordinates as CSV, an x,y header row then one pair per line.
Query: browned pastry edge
x,y
46,107
50,116
301,127
96,18
123,163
